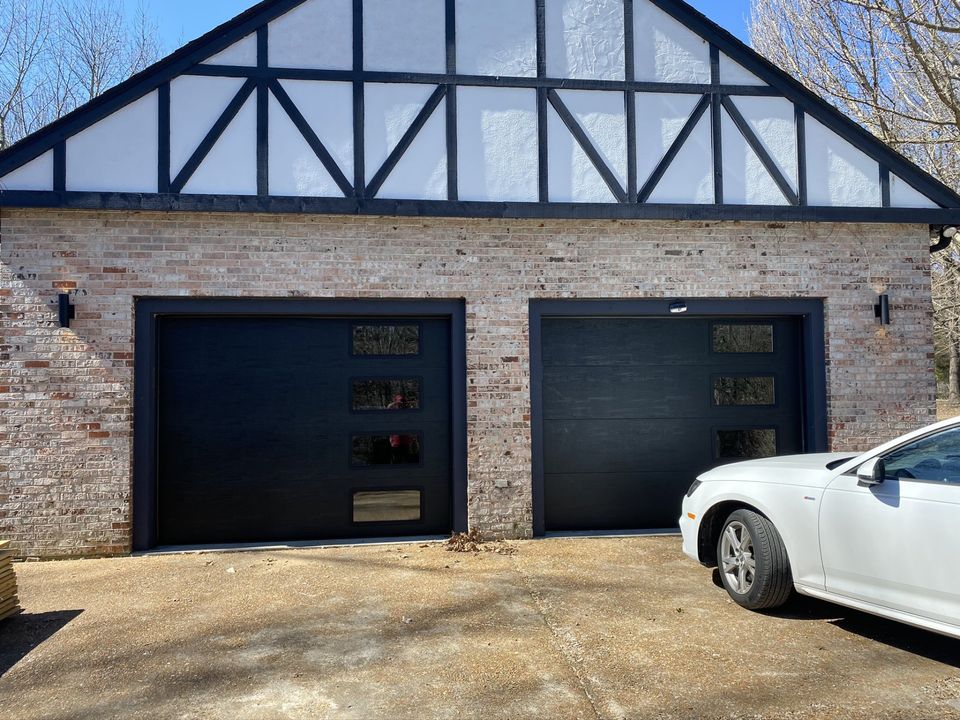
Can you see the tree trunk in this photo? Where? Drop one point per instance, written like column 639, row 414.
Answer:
column 954, row 381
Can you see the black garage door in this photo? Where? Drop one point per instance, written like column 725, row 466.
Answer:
column 635, row 408
column 301, row 428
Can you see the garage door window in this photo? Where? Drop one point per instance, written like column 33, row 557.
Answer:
column 392, row 449
column 742, row 338
column 387, row 506
column 386, row 394
column 746, row 443
column 386, row 339
column 744, row 390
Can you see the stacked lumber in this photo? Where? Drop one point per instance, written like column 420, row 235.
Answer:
column 9, row 604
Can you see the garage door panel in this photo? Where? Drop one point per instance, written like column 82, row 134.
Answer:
column 583, row 392
column 624, row 445
column 256, row 427
column 621, row 341
column 608, row 501
column 634, row 408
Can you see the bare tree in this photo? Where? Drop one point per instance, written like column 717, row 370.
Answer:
column 24, row 43
column 894, row 66
column 58, row 54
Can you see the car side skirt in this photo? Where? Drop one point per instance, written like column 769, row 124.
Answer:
column 884, row 612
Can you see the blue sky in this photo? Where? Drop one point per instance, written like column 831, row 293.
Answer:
column 184, row 20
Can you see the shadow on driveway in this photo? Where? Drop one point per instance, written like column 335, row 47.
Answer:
column 22, row 633
column 924, row 643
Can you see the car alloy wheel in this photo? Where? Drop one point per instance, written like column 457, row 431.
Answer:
column 736, row 557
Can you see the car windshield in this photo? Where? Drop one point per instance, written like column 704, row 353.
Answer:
column 934, row 457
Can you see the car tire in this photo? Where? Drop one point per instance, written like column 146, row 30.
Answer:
column 753, row 562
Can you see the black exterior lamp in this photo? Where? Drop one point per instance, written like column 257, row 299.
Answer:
column 67, row 311
column 882, row 309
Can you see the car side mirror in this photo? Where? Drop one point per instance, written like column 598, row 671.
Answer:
column 872, row 472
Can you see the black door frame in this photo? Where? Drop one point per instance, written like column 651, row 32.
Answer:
column 810, row 311
column 148, row 309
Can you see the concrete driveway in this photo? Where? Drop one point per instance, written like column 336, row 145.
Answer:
column 571, row 628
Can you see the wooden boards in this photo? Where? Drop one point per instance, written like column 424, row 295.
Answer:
column 9, row 603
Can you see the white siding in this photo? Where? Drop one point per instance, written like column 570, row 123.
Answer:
column 745, row 179
column 497, row 144
column 295, row 168
column 838, row 174
column 119, row 153
column 328, row 108
column 408, row 36
column 196, row 103
column 666, row 50
column 421, row 173
column 585, row 39
column 35, row 175
column 497, row 37
column 903, row 195
column 689, row 179
column 389, row 111
column 242, row 53
column 317, row 34
column 231, row 166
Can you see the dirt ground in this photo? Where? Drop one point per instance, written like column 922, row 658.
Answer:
column 561, row 628
column 947, row 410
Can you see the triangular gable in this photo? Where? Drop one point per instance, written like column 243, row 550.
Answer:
column 619, row 108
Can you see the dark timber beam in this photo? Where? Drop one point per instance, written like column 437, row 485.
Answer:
column 760, row 150
column 462, row 209
column 406, row 141
column 206, row 145
column 657, row 175
column 584, row 142
column 297, row 118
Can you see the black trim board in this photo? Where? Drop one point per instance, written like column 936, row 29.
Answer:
column 148, row 309
column 811, row 312
column 444, row 208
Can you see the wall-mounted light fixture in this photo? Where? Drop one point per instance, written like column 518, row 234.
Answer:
column 67, row 311
column 882, row 309
column 677, row 307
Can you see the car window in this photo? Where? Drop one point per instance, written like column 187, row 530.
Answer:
column 935, row 457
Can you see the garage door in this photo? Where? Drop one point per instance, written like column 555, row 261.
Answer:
column 635, row 408
column 301, row 428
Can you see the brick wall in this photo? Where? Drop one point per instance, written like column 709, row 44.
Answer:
column 65, row 395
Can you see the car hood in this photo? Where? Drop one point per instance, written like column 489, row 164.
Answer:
column 810, row 470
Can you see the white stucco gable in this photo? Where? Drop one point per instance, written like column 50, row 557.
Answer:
column 636, row 108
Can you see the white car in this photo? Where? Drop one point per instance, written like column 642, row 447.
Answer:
column 879, row 532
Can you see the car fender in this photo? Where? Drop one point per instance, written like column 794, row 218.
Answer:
column 794, row 512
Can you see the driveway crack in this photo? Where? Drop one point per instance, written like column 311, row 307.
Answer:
column 565, row 641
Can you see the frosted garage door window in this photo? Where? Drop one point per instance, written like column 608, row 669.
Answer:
column 387, row 506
